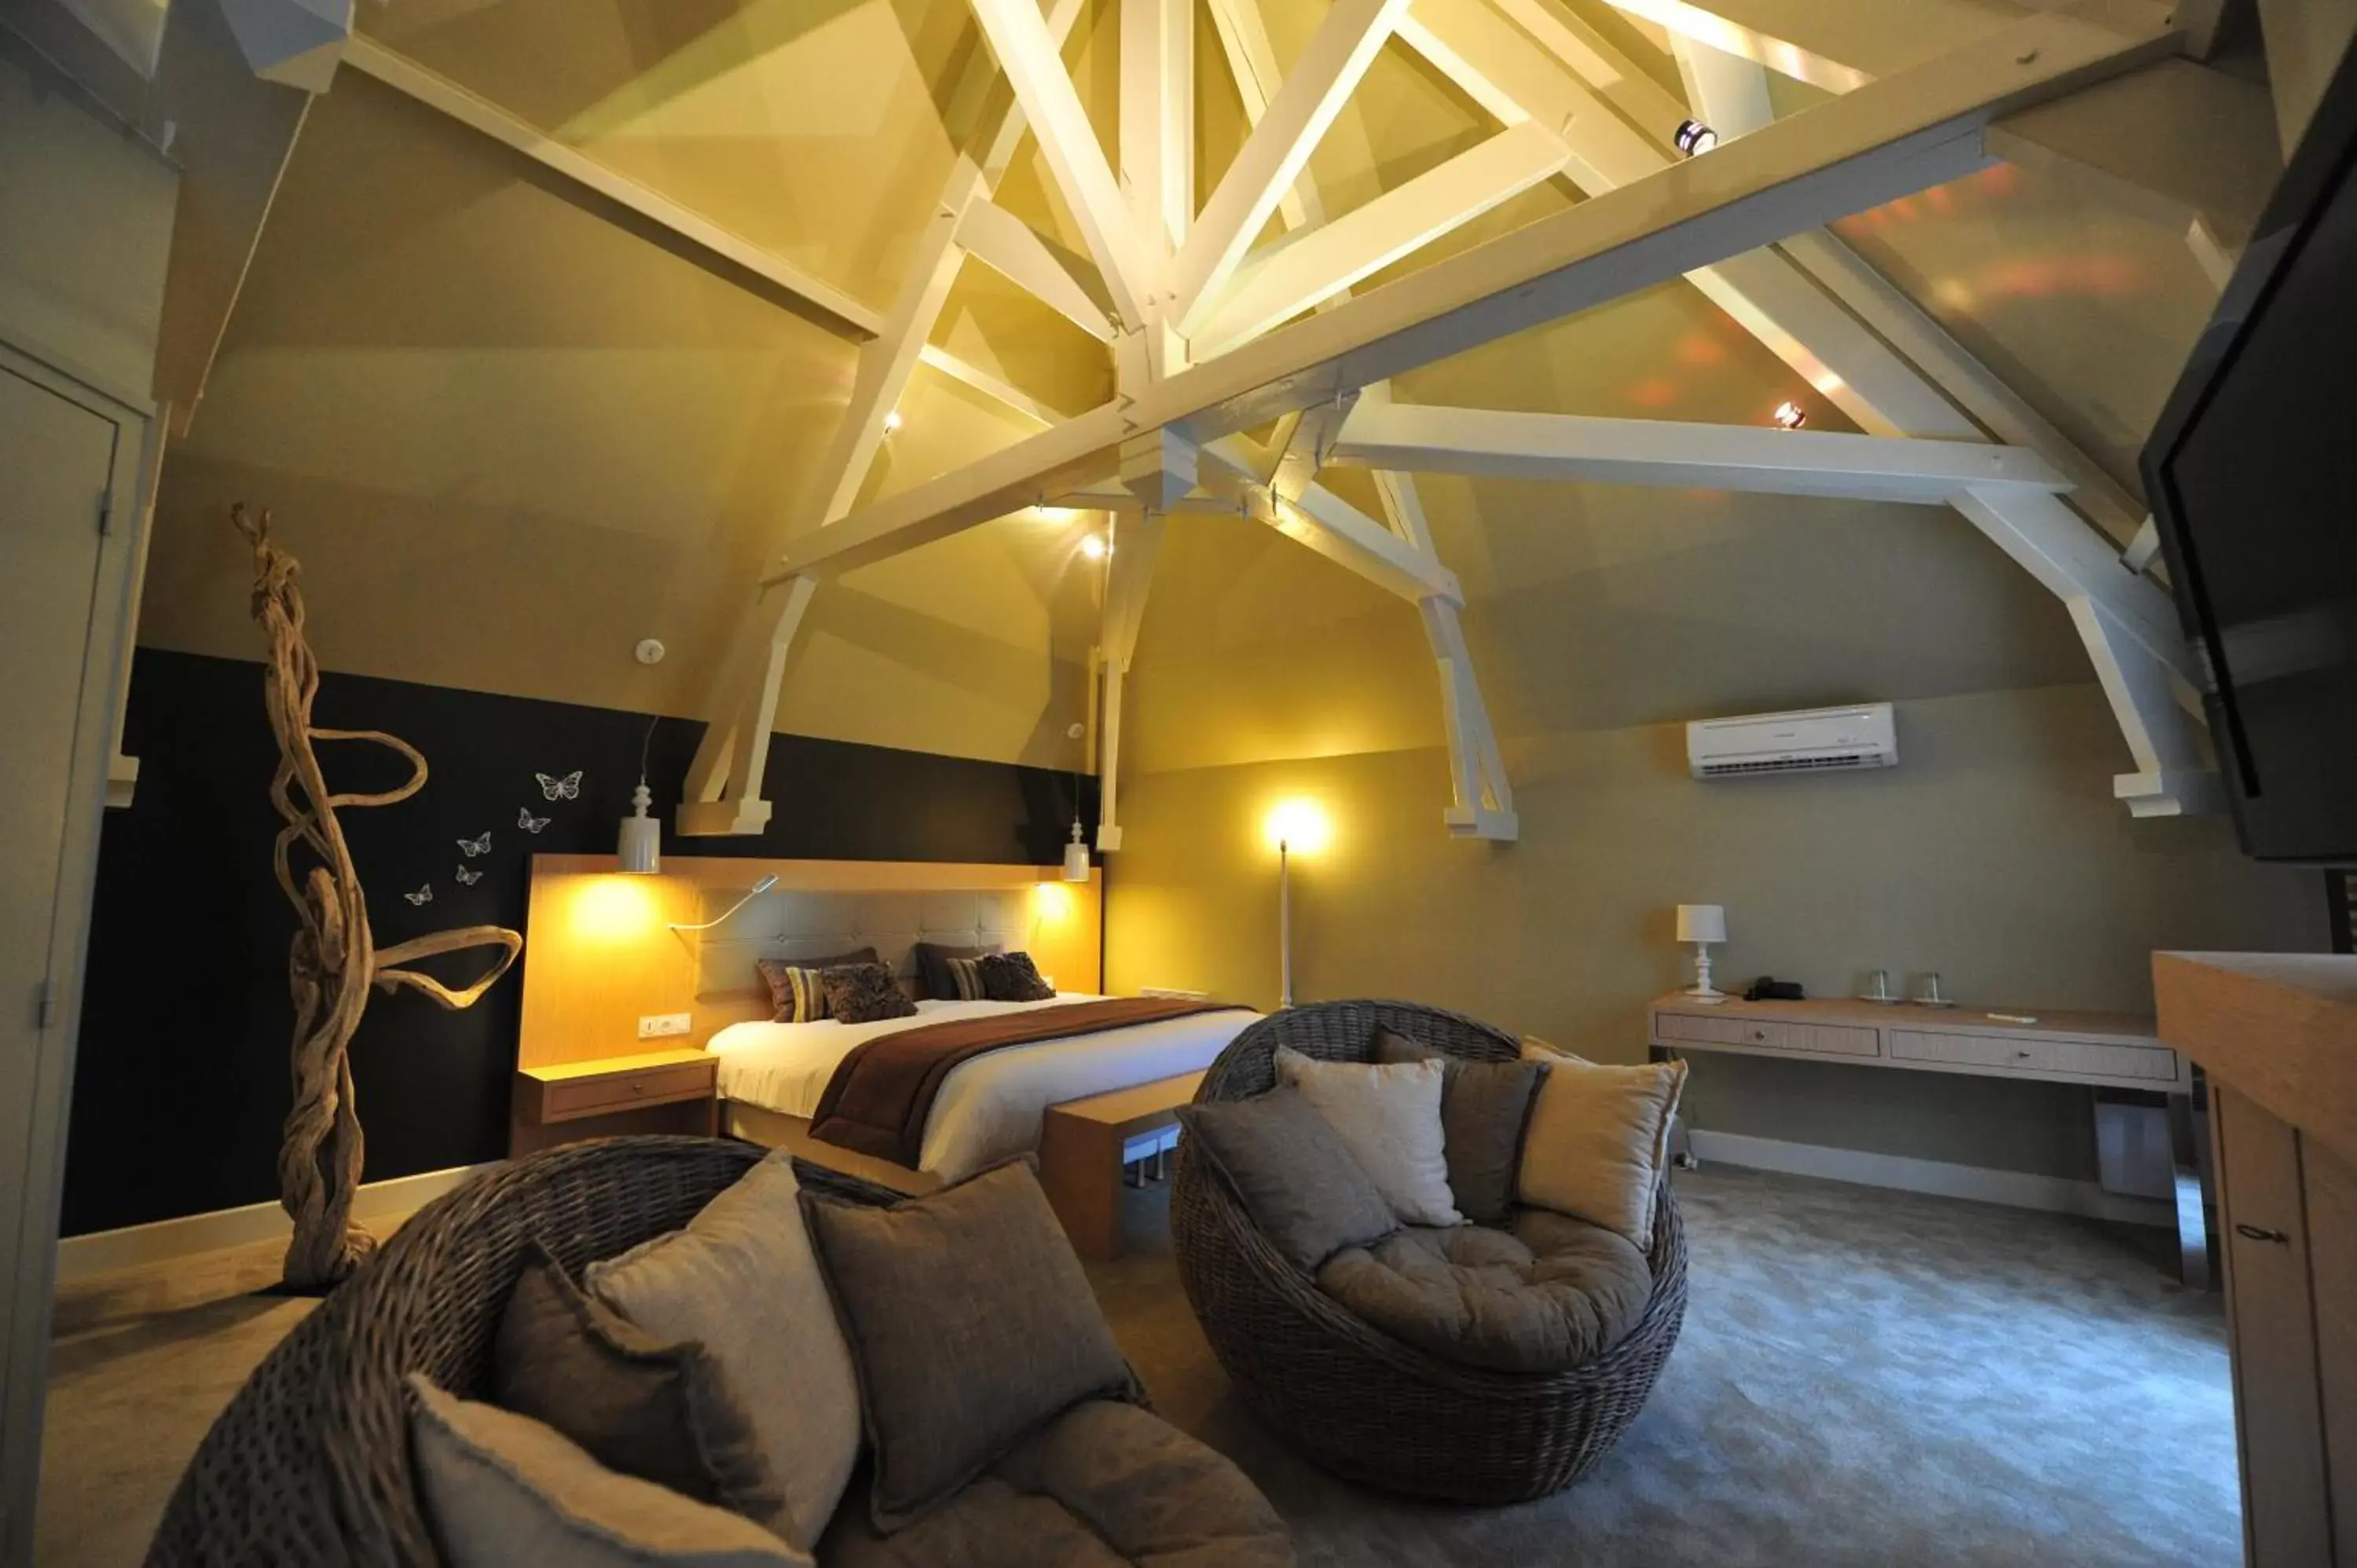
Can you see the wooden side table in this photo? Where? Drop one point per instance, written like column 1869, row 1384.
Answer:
column 658, row 1091
column 1084, row 1145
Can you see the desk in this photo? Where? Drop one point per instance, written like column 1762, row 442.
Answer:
column 2108, row 1050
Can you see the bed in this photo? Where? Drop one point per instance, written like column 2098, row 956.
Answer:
column 772, row 1075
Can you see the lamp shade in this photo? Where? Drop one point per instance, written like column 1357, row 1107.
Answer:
column 1076, row 856
column 1702, row 923
column 640, row 850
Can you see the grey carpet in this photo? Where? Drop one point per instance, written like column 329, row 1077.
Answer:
column 1864, row 1378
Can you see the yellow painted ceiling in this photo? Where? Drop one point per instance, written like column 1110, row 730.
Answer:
column 509, row 435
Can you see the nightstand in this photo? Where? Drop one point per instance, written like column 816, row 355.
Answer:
column 658, row 1091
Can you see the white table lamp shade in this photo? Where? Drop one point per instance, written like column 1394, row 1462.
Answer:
column 1702, row 923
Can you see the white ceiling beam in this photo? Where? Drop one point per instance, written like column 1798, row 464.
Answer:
column 1013, row 250
column 837, row 308
column 1926, row 345
column 1572, row 43
column 723, row 792
column 1320, row 82
column 1158, row 118
column 1324, row 522
column 1838, row 45
column 1243, row 39
column 2173, row 777
column 1135, row 543
column 295, row 43
column 1854, row 370
column 1490, row 444
column 1311, row 266
column 2050, row 541
column 1859, row 151
column 1029, row 54
column 1482, row 802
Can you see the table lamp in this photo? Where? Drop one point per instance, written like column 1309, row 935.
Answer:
column 1703, row 923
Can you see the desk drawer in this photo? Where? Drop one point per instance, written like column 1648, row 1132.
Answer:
column 2050, row 1059
column 1765, row 1034
column 653, row 1086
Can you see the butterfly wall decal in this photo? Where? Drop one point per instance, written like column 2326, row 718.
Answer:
column 468, row 878
column 473, row 847
column 527, row 821
column 566, row 788
column 422, row 895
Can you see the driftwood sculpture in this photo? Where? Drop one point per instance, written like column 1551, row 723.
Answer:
column 334, row 959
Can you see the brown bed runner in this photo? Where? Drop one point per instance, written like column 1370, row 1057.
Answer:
column 882, row 1094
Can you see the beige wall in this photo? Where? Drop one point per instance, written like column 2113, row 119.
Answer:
column 85, row 226
column 1992, row 855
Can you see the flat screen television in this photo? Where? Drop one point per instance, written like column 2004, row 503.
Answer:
column 2252, row 473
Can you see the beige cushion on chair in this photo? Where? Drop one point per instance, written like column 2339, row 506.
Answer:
column 505, row 1491
column 1388, row 1116
column 1598, row 1140
column 741, row 1279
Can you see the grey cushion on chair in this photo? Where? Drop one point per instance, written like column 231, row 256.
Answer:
column 1549, row 1294
column 971, row 1322
column 1103, row 1484
column 661, row 1412
column 1485, row 1112
column 1294, row 1176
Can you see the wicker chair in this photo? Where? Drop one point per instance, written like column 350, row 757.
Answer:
column 309, row 1464
column 1353, row 1399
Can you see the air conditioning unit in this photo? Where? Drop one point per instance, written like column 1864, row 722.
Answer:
column 1817, row 740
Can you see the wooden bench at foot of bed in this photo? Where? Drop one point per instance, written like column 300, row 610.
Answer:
column 1085, row 1144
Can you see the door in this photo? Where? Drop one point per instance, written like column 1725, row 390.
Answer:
column 61, row 639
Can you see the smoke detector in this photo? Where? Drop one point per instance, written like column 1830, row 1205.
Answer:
column 650, row 652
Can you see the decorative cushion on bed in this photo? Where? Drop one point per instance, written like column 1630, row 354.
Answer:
column 663, row 1413
column 1599, row 1140
column 742, row 1280
column 1485, row 1109
column 1548, row 1295
column 796, row 995
column 966, row 980
column 935, row 982
column 1304, row 1189
column 1013, row 977
column 1103, row 1484
column 502, row 1490
column 865, row 994
column 1389, row 1117
column 971, row 1322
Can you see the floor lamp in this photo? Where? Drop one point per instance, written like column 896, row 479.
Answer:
column 1296, row 825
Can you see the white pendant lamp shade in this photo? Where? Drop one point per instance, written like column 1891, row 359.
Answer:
column 640, row 851
column 1702, row 923
column 1076, row 856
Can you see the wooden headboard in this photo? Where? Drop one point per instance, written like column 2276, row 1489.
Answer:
column 600, row 952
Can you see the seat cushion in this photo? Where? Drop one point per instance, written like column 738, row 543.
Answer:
column 1547, row 1293
column 1103, row 1485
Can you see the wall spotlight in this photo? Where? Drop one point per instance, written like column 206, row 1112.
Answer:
column 891, row 422
column 1694, row 138
column 1092, row 546
column 1789, row 415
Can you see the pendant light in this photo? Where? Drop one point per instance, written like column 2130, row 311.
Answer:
column 640, row 849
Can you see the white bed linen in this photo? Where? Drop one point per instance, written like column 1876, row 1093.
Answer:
column 989, row 1108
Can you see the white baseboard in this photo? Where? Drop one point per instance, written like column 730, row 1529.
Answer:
column 103, row 1251
column 2017, row 1189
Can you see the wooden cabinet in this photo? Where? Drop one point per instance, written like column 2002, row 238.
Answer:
column 2278, row 1036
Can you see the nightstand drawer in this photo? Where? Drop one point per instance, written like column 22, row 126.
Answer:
column 620, row 1090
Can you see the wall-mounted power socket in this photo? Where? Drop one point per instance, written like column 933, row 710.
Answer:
column 654, row 1026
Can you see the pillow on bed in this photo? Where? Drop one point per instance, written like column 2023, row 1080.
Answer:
column 966, row 980
column 796, row 996
column 865, row 994
column 1013, row 977
column 936, row 981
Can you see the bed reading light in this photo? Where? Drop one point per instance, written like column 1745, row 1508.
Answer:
column 1694, row 138
column 754, row 892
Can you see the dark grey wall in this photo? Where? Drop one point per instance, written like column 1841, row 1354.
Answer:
column 181, row 1079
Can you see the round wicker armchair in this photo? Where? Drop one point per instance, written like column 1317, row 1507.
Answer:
column 309, row 1464
column 1353, row 1399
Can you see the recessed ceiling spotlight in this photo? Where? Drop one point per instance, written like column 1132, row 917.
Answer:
column 1694, row 138
column 1092, row 546
column 1789, row 415
column 891, row 422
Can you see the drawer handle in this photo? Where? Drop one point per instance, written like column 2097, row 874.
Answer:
column 638, row 1088
column 2257, row 1233
column 1760, row 1033
column 2021, row 1056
